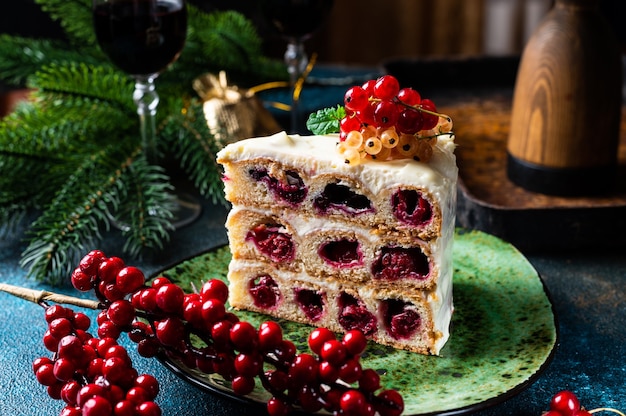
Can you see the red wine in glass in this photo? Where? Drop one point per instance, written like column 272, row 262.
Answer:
column 295, row 21
column 142, row 38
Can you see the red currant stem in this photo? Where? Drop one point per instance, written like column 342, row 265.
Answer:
column 197, row 352
column 281, row 395
column 423, row 110
column 415, row 107
column 206, row 338
column 279, row 365
column 81, row 378
column 42, row 296
column 432, row 136
column 606, row 409
column 432, row 113
column 152, row 317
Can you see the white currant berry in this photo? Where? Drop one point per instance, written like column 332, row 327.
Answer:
column 354, row 139
column 389, row 138
column 424, row 151
column 407, row 145
column 351, row 156
column 373, row 145
column 369, row 131
column 445, row 124
column 383, row 154
column 427, row 134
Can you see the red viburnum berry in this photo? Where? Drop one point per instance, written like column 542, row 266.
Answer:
column 565, row 402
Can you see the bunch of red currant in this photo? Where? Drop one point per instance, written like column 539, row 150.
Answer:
column 197, row 330
column 93, row 376
column 565, row 403
column 385, row 122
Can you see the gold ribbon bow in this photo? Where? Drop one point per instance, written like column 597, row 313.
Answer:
column 232, row 113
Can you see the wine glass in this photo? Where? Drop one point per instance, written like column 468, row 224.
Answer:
column 142, row 38
column 295, row 21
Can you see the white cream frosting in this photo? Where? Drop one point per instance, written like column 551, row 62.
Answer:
column 318, row 155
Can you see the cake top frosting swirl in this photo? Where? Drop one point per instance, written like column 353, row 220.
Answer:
column 318, row 153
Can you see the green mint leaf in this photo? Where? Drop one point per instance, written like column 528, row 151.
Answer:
column 326, row 120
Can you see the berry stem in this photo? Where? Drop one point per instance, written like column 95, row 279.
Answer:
column 432, row 113
column 424, row 110
column 42, row 296
column 432, row 136
column 415, row 107
column 606, row 409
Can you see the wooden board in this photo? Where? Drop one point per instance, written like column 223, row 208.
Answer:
column 489, row 201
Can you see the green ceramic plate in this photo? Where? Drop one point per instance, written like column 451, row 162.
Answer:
column 503, row 333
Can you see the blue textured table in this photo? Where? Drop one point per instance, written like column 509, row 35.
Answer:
column 587, row 288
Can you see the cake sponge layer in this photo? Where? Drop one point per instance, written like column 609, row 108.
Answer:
column 332, row 250
column 415, row 321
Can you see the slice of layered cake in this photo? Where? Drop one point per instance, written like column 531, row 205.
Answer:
column 326, row 231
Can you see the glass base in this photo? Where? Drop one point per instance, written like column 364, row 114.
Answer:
column 185, row 210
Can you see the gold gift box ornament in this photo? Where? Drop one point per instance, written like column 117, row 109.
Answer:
column 233, row 113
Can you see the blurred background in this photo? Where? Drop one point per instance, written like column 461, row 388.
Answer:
column 370, row 32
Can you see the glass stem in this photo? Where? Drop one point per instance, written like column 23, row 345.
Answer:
column 296, row 60
column 147, row 100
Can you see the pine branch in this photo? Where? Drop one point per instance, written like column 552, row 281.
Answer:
column 74, row 17
column 187, row 133
column 21, row 57
column 80, row 132
column 224, row 40
column 61, row 123
column 146, row 209
column 30, row 149
column 72, row 221
column 226, row 36
column 39, row 139
column 11, row 217
column 102, row 82
column 19, row 193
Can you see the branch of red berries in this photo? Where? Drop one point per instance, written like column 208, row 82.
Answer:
column 94, row 375
column 566, row 403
